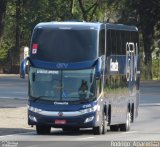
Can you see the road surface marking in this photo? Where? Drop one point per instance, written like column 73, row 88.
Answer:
column 150, row 104
column 85, row 138
column 129, row 132
column 19, row 92
column 33, row 145
column 153, row 94
column 4, row 97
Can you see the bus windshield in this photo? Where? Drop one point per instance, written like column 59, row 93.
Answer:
column 60, row 45
column 62, row 85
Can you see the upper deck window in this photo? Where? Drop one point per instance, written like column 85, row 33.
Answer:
column 64, row 45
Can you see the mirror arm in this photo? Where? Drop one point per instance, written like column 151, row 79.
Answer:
column 23, row 67
column 98, row 68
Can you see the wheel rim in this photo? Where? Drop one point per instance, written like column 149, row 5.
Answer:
column 128, row 120
column 105, row 125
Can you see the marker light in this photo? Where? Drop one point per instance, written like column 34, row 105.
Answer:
column 89, row 110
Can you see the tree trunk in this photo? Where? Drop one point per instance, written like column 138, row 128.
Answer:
column 91, row 9
column 84, row 13
column 147, row 33
column 18, row 13
column 3, row 4
column 148, row 14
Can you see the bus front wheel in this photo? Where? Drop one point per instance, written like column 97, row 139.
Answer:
column 102, row 128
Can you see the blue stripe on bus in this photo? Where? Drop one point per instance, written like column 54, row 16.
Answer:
column 51, row 65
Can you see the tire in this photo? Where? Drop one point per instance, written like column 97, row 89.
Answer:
column 114, row 127
column 132, row 114
column 105, row 123
column 43, row 130
column 100, row 129
column 126, row 126
column 97, row 130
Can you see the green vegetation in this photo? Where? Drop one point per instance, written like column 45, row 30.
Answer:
column 18, row 18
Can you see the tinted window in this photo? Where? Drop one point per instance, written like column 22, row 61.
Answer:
column 60, row 45
column 102, row 42
column 111, row 42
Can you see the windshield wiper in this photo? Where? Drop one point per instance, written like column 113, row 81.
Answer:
column 84, row 101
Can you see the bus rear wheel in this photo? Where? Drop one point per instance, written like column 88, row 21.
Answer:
column 126, row 126
column 43, row 130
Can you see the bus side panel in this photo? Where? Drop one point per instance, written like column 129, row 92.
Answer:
column 120, row 75
column 116, row 86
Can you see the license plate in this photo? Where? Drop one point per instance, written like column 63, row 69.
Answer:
column 62, row 122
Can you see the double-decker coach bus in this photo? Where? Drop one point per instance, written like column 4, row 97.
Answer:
column 83, row 75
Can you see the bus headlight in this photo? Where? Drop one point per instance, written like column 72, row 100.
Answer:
column 89, row 110
column 33, row 109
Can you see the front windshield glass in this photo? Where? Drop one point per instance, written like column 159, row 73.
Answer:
column 66, row 85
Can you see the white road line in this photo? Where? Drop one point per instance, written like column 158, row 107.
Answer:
column 19, row 92
column 150, row 104
column 13, row 92
column 4, row 97
column 153, row 94
column 130, row 132
column 33, row 146
column 85, row 138
column 27, row 133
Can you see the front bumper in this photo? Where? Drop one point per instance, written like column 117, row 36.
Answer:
column 87, row 120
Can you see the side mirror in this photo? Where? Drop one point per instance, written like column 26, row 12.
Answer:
column 98, row 68
column 23, row 68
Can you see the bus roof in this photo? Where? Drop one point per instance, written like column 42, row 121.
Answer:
column 121, row 27
column 85, row 25
column 69, row 24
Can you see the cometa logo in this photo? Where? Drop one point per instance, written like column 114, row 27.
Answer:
column 61, row 103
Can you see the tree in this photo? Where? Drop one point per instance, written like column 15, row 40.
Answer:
column 144, row 14
column 3, row 4
column 88, row 8
column 21, row 16
column 149, row 16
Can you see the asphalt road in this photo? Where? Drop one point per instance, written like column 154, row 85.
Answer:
column 13, row 87
column 145, row 128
